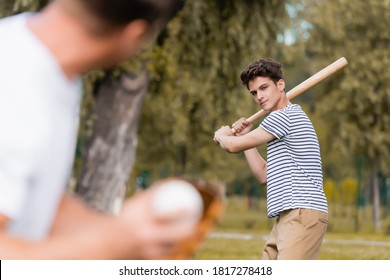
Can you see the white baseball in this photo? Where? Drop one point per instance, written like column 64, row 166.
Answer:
column 176, row 195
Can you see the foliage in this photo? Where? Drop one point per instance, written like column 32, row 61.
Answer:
column 195, row 70
column 331, row 192
column 9, row 7
column 196, row 86
column 344, row 194
column 355, row 103
column 349, row 191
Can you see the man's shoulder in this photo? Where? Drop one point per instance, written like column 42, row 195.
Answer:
column 13, row 21
column 14, row 36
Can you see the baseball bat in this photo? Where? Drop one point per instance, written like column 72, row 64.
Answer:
column 305, row 85
column 308, row 83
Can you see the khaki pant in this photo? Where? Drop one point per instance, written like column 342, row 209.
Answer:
column 296, row 235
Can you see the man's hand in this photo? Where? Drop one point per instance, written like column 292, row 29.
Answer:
column 3, row 222
column 151, row 235
column 82, row 233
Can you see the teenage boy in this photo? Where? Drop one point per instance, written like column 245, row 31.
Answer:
column 293, row 169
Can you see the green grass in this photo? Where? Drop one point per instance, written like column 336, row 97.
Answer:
column 335, row 247
column 240, row 235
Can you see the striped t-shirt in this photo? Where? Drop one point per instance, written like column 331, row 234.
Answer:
column 294, row 169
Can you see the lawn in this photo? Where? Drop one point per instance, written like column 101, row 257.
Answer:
column 240, row 235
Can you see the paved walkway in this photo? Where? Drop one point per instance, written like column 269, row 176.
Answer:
column 244, row 236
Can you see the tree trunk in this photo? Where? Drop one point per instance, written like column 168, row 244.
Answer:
column 111, row 149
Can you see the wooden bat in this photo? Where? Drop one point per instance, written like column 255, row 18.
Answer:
column 305, row 85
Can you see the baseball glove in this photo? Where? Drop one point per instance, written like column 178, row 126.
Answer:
column 212, row 194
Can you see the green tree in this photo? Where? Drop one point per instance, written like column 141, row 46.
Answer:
column 355, row 102
column 196, row 86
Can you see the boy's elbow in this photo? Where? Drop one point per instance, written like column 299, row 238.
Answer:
column 263, row 181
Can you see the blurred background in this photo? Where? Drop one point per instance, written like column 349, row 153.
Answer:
column 193, row 88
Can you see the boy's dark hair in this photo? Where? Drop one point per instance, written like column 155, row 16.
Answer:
column 123, row 11
column 117, row 13
column 262, row 68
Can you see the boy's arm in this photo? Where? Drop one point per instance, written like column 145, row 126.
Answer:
column 246, row 140
column 236, row 144
column 257, row 165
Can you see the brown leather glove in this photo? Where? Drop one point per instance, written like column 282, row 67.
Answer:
column 213, row 201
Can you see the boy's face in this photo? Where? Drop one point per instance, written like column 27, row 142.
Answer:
column 266, row 94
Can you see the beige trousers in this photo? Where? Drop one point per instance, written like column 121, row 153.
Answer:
column 296, row 235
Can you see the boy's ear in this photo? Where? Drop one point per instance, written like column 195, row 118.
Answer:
column 281, row 85
column 136, row 31
column 133, row 37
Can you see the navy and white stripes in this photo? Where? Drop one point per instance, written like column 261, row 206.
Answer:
column 294, row 169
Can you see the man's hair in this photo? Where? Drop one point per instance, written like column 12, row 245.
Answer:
column 111, row 14
column 262, row 68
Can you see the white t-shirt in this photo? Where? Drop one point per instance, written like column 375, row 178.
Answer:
column 294, row 169
column 39, row 108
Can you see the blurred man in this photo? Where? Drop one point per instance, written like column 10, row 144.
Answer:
column 42, row 58
column 293, row 170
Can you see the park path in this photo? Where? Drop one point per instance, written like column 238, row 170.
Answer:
column 243, row 236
